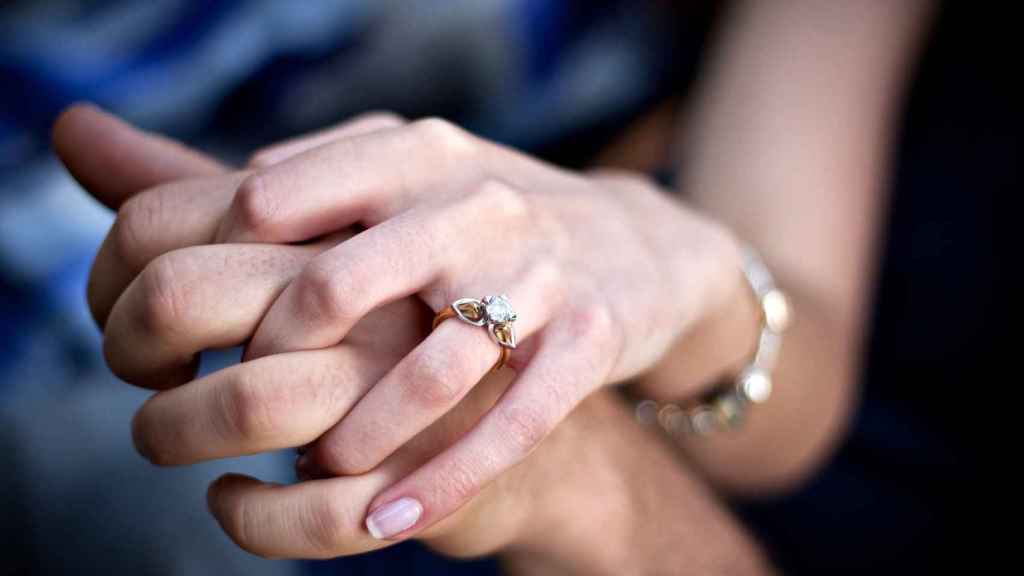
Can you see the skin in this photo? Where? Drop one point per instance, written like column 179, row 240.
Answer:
column 415, row 242
column 813, row 135
column 657, row 299
column 518, row 515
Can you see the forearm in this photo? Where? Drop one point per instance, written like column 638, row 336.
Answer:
column 787, row 145
column 782, row 441
column 616, row 500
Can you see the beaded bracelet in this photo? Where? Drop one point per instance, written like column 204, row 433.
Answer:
column 725, row 408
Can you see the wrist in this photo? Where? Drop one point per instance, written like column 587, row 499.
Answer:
column 688, row 286
column 718, row 345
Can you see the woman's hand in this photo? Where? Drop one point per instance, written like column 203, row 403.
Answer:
column 154, row 260
column 604, row 271
column 541, row 508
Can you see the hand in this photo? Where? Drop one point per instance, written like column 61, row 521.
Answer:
column 161, row 228
column 614, row 268
column 540, row 508
column 604, row 270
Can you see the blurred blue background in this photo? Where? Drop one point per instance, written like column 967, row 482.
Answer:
column 560, row 78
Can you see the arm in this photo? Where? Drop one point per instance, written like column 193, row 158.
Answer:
column 787, row 147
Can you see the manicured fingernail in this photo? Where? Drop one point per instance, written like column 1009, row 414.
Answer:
column 390, row 519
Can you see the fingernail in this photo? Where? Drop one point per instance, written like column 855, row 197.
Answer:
column 393, row 518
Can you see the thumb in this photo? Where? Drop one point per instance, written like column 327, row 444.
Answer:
column 113, row 160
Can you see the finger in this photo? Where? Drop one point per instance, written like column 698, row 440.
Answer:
column 432, row 379
column 280, row 401
column 317, row 519
column 572, row 360
column 114, row 160
column 415, row 251
column 360, row 179
column 324, row 518
column 363, row 124
column 170, row 216
column 191, row 300
column 175, row 215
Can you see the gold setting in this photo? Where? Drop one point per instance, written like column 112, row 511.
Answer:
column 493, row 312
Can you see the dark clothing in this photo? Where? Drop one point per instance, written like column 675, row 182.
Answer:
column 902, row 495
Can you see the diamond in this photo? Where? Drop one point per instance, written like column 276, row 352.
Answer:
column 499, row 310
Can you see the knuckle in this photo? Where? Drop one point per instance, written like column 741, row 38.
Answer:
column 525, row 426
column 496, row 197
column 248, row 411
column 136, row 220
column 322, row 290
column 443, row 136
column 254, row 208
column 546, row 275
column 594, row 324
column 165, row 295
column 556, row 235
column 436, row 380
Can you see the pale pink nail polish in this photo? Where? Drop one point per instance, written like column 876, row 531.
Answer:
column 395, row 517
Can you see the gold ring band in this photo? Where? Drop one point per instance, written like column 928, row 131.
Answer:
column 448, row 312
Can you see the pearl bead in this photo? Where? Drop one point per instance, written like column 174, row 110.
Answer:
column 755, row 385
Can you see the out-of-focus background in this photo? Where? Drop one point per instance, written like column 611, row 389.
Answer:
column 561, row 78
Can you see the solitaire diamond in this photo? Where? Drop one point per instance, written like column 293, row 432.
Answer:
column 499, row 310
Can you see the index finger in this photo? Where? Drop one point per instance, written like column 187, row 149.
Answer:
column 113, row 160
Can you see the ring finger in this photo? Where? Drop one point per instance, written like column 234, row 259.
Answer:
column 432, row 379
column 423, row 250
